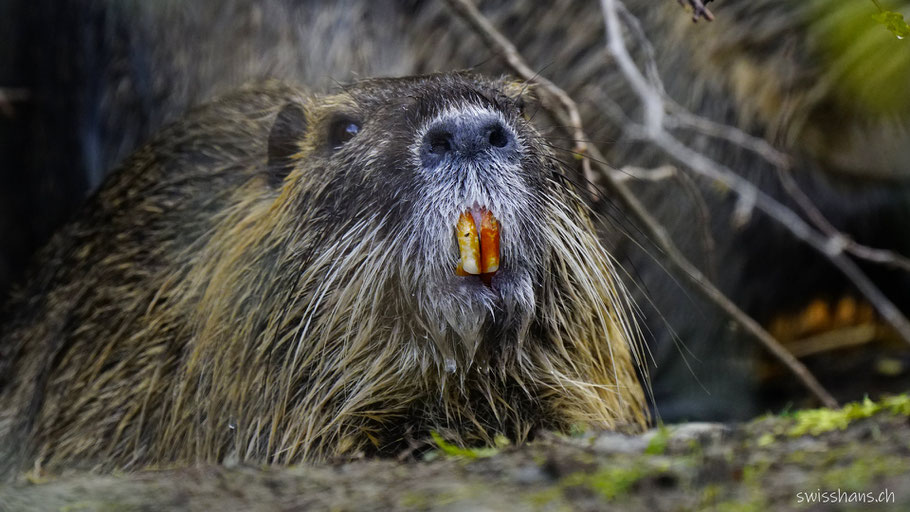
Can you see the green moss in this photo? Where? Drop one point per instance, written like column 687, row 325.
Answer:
column 608, row 482
column 797, row 457
column 77, row 507
column 861, row 473
column 414, row 500
column 713, row 494
column 546, row 497
column 898, row 404
column 99, row 507
column 452, row 450
column 710, row 494
column 426, row 500
column 741, row 506
column 819, row 421
column 765, row 439
column 752, row 496
column 658, row 443
column 753, row 473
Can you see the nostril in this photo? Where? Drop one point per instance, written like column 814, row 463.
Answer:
column 498, row 137
column 467, row 135
column 440, row 142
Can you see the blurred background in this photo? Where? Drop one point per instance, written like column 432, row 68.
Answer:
column 84, row 82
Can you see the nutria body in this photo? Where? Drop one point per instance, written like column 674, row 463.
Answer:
column 271, row 279
column 819, row 80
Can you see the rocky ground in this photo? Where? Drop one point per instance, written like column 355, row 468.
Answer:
column 855, row 455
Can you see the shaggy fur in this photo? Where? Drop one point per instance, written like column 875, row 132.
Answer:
column 228, row 296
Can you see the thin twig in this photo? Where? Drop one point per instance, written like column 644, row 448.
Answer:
column 676, row 261
column 704, row 222
column 880, row 256
column 631, row 172
column 683, row 118
column 494, row 39
column 680, row 117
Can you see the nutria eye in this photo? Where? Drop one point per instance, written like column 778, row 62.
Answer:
column 342, row 130
column 520, row 105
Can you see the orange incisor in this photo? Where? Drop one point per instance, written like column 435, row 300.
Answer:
column 479, row 254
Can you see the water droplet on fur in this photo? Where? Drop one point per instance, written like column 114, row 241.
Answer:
column 450, row 365
column 232, row 425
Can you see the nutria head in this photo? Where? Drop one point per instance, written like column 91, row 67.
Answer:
column 409, row 157
column 403, row 257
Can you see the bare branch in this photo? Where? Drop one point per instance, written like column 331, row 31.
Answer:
column 832, row 247
column 494, row 39
column 684, row 118
column 674, row 258
column 704, row 223
column 651, row 98
column 881, row 256
column 631, row 172
column 680, row 117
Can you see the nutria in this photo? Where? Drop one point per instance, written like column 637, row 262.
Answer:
column 276, row 278
column 820, row 80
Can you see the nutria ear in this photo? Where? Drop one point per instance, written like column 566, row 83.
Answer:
column 284, row 142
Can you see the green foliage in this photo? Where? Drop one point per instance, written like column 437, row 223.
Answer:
column 867, row 66
column 894, row 22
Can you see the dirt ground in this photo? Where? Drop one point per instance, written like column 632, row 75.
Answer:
column 845, row 459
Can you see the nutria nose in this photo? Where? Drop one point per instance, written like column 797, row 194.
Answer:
column 468, row 136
